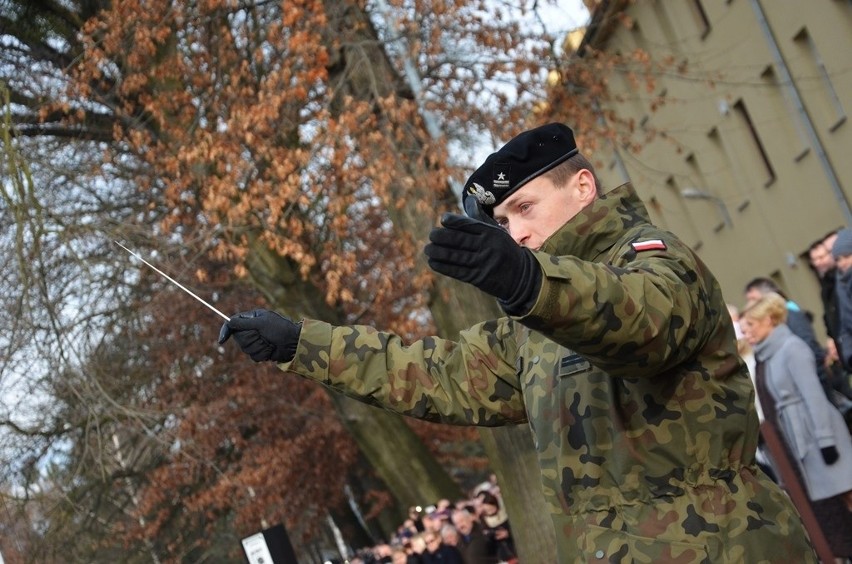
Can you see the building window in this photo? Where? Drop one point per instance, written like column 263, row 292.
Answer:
column 638, row 37
column 721, row 167
column 616, row 166
column 665, row 23
column 698, row 189
column 752, row 149
column 627, row 92
column 787, row 118
column 816, row 85
column 657, row 209
column 701, row 20
column 682, row 222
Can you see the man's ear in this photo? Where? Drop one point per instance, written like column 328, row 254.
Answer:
column 586, row 187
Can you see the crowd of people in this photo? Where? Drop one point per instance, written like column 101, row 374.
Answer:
column 469, row 531
column 803, row 389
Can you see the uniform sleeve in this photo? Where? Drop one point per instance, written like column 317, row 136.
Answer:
column 472, row 381
column 643, row 314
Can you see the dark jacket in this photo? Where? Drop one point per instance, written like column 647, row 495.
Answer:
column 446, row 554
column 801, row 326
column 844, row 305
column 477, row 547
column 831, row 313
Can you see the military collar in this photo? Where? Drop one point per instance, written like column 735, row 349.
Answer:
column 599, row 225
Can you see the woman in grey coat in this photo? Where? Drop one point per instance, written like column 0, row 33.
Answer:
column 815, row 435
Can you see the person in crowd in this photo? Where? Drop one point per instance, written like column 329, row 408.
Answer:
column 432, row 522
column 798, row 321
column 399, row 556
column 764, row 459
column 407, row 530
column 415, row 548
column 615, row 347
column 495, row 523
column 824, row 266
column 814, row 434
column 383, row 553
column 842, row 253
column 801, row 325
column 414, row 514
column 475, row 546
column 442, row 512
column 489, row 485
column 743, row 348
column 840, row 245
column 449, row 534
column 437, row 552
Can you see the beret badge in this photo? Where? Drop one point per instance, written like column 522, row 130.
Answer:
column 525, row 157
column 483, row 196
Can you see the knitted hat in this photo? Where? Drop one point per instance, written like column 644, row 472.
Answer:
column 843, row 244
column 526, row 156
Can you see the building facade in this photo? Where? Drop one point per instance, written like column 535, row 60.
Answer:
column 754, row 162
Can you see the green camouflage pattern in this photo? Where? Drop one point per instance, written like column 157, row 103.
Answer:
column 627, row 372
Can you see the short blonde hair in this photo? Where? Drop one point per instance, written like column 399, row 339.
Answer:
column 769, row 305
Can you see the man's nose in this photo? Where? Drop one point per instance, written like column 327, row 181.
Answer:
column 520, row 235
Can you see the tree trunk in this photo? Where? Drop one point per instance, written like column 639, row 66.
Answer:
column 397, row 454
column 518, row 476
column 510, row 449
column 364, row 71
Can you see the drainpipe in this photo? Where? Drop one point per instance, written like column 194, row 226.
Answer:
column 786, row 79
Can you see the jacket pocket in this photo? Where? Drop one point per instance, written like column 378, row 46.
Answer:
column 600, row 544
column 793, row 418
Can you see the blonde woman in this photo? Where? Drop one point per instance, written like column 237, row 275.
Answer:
column 815, row 435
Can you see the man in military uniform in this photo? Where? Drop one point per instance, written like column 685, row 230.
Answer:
column 616, row 348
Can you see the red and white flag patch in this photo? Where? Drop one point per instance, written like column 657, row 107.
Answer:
column 649, row 245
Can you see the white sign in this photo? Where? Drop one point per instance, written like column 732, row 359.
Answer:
column 256, row 549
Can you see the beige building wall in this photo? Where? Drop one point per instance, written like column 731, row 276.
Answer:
column 753, row 167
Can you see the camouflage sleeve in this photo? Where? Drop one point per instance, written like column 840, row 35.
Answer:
column 641, row 315
column 470, row 382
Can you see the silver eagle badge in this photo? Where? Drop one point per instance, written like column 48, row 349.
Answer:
column 483, row 196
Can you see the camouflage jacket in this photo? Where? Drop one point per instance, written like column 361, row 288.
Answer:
column 627, row 371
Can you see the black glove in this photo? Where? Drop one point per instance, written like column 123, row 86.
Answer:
column 486, row 256
column 263, row 335
column 829, row 454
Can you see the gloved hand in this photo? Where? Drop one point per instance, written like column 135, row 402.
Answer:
column 486, row 256
column 829, row 454
column 263, row 335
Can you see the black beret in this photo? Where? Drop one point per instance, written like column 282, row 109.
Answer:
column 526, row 156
